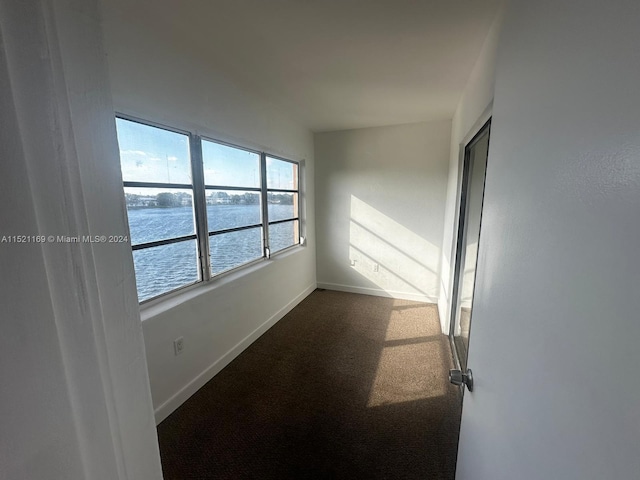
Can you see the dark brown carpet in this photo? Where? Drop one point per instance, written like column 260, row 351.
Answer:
column 345, row 386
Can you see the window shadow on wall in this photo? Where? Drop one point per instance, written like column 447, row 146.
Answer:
column 391, row 256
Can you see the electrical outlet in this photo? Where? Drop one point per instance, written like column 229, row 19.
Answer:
column 376, row 267
column 178, row 345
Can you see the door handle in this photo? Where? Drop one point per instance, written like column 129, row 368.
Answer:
column 457, row 377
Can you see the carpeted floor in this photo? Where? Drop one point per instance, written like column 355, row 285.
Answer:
column 345, row 386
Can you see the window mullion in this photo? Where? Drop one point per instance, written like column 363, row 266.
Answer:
column 200, row 206
column 300, row 232
column 265, row 206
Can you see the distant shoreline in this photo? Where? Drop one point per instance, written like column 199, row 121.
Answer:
column 145, row 207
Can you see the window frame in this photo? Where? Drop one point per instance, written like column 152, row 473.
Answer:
column 199, row 205
column 211, row 233
column 283, row 190
column 168, row 186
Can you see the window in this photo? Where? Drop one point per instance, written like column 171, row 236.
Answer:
column 234, row 212
column 282, row 198
column 158, row 186
column 198, row 208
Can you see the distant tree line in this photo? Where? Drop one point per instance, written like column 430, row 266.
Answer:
column 281, row 198
column 248, row 198
column 162, row 199
column 182, row 199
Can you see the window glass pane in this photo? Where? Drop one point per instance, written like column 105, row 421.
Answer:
column 282, row 206
column 283, row 235
column 229, row 166
column 231, row 209
column 165, row 268
column 230, row 250
column 281, row 174
column 151, row 154
column 158, row 214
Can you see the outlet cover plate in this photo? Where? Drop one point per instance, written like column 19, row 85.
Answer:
column 178, row 345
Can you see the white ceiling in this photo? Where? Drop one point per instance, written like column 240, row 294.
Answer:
column 335, row 64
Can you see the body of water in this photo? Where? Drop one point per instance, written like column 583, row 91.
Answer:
column 167, row 267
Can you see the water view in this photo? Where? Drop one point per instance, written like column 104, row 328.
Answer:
column 157, row 175
column 167, row 267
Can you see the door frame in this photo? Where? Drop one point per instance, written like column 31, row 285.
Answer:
column 458, row 234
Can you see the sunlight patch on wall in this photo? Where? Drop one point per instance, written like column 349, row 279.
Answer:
column 390, row 255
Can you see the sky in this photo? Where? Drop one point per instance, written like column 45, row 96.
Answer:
column 151, row 154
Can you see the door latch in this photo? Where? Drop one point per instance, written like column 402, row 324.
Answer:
column 458, row 378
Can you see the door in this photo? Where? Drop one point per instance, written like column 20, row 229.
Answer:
column 555, row 344
column 468, row 237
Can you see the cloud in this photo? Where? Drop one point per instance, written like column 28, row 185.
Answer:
column 134, row 152
column 135, row 155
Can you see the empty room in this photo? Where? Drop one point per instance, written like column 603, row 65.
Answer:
column 319, row 239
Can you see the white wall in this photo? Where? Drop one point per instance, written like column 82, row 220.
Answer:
column 158, row 78
column 75, row 395
column 380, row 200
column 473, row 110
column 554, row 343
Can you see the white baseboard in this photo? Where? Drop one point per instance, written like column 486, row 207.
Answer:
column 168, row 407
column 378, row 292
